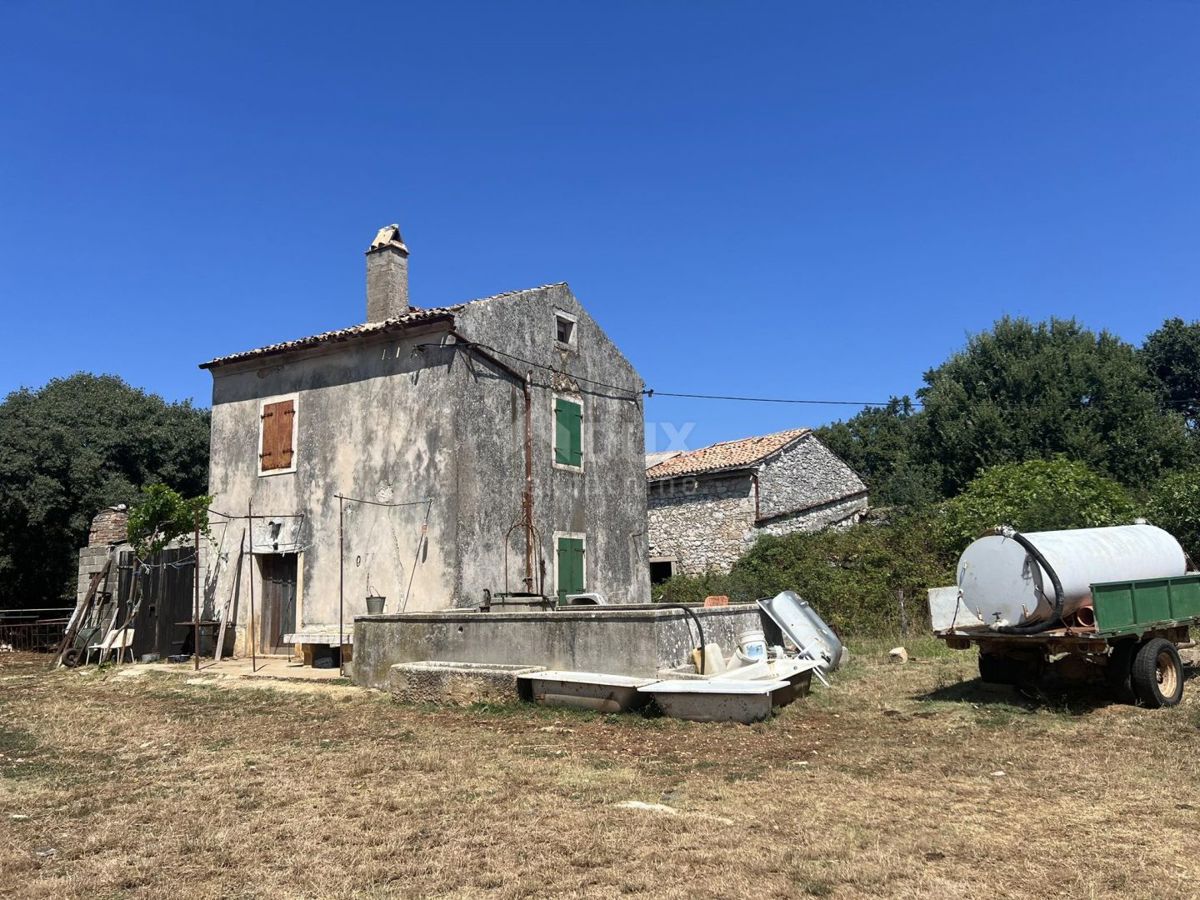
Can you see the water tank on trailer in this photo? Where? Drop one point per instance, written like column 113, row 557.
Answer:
column 1003, row 584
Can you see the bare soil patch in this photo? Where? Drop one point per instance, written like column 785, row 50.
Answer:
column 902, row 781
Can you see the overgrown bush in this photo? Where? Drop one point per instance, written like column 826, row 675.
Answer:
column 1038, row 495
column 853, row 578
column 1175, row 505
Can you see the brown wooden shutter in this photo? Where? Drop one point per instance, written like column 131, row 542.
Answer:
column 283, row 431
column 277, row 448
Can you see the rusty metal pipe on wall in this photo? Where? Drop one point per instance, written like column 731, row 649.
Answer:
column 526, row 382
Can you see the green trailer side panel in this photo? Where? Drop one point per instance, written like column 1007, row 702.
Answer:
column 1122, row 605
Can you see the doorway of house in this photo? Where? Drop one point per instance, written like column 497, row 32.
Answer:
column 279, row 601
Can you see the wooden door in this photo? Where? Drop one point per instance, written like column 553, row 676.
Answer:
column 279, row 601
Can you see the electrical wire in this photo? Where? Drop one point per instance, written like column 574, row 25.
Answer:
column 653, row 393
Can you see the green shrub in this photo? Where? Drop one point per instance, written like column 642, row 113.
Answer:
column 851, row 577
column 1037, row 495
column 1175, row 505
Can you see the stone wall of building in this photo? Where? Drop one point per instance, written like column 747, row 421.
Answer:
column 835, row 514
column 804, row 476
column 701, row 524
column 109, row 526
column 706, row 524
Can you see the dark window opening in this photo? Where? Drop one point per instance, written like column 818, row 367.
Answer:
column 661, row 570
column 564, row 330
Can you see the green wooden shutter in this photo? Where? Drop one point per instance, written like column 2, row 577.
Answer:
column 570, row 566
column 568, row 432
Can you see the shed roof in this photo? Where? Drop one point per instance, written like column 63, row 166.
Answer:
column 725, row 456
column 410, row 319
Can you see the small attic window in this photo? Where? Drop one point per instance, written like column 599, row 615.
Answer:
column 564, row 329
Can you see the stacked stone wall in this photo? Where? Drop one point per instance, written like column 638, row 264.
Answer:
column 702, row 524
column 805, row 476
column 705, row 524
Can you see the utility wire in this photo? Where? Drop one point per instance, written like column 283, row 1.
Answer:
column 654, row 393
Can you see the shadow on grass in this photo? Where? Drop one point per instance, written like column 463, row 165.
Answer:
column 1050, row 696
column 1052, row 693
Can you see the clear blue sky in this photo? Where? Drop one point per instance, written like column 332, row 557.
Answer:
column 798, row 199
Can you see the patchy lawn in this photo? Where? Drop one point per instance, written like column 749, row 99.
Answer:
column 902, row 780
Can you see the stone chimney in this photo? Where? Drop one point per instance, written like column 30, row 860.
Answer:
column 387, row 275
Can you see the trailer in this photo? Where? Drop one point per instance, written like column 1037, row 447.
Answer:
column 1113, row 603
column 1128, row 636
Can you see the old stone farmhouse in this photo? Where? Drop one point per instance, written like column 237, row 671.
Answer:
column 707, row 507
column 487, row 446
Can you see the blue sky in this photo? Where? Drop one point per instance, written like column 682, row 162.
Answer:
column 815, row 200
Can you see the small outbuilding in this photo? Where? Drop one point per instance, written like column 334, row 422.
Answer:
column 707, row 507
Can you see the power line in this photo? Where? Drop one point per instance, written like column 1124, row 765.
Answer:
column 653, row 393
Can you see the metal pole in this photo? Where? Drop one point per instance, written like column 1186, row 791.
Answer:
column 341, row 584
column 196, row 603
column 529, row 581
column 250, row 533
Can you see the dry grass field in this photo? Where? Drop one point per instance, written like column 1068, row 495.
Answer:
column 900, row 781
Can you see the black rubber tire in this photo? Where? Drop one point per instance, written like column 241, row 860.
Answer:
column 71, row 657
column 1157, row 674
column 997, row 669
column 1119, row 670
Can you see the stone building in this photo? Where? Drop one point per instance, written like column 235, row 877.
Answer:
column 489, row 445
column 108, row 530
column 707, row 507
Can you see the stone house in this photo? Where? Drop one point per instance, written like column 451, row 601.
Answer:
column 428, row 455
column 707, row 507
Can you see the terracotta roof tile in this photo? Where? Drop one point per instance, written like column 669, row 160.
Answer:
column 729, row 455
column 398, row 323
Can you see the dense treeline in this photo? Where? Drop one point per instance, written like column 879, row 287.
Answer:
column 1038, row 425
column 71, row 448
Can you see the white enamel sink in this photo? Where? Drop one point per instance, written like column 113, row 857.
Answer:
column 716, row 699
column 587, row 690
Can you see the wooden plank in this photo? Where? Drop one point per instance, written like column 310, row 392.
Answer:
column 277, row 434
column 81, row 610
column 229, row 601
column 283, row 432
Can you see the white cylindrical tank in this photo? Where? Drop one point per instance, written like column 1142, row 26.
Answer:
column 1003, row 584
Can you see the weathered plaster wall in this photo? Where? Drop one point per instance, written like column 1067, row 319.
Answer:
column 375, row 421
column 704, row 524
column 606, row 501
column 805, row 475
column 398, row 420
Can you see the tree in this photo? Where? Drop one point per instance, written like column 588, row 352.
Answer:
column 162, row 515
column 1172, row 357
column 1037, row 495
column 1174, row 505
column 1031, row 391
column 71, row 448
column 884, row 446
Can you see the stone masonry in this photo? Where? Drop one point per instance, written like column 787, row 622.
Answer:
column 706, row 508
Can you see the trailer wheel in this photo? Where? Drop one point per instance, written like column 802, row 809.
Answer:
column 1157, row 674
